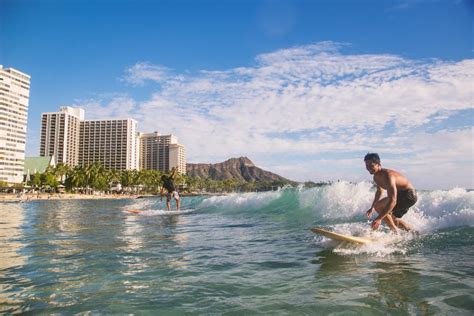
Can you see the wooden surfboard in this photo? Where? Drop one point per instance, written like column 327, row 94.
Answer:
column 341, row 237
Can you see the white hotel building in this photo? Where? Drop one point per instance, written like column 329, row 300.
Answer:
column 14, row 97
column 161, row 152
column 60, row 135
column 70, row 139
column 113, row 143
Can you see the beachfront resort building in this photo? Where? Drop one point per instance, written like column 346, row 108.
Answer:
column 177, row 157
column 113, row 143
column 60, row 135
column 14, row 98
column 70, row 139
column 161, row 152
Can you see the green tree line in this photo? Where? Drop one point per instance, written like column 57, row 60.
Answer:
column 96, row 178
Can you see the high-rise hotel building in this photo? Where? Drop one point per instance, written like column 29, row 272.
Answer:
column 177, row 157
column 60, row 135
column 14, row 97
column 113, row 143
column 71, row 140
column 161, row 152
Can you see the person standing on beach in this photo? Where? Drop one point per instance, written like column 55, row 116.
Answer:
column 401, row 195
column 169, row 186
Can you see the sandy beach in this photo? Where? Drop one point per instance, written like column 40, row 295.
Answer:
column 4, row 197
column 9, row 197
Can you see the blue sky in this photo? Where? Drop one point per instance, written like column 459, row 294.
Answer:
column 303, row 88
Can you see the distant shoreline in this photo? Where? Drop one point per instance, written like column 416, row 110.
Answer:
column 9, row 197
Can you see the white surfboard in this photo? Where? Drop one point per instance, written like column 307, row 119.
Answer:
column 341, row 237
column 151, row 212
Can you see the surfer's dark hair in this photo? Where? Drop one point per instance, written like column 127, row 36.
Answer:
column 374, row 157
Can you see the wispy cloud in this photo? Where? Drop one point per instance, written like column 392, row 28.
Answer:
column 309, row 100
column 108, row 106
column 143, row 71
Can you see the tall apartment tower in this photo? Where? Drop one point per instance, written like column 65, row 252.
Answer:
column 14, row 97
column 113, row 143
column 161, row 152
column 60, row 135
column 178, row 157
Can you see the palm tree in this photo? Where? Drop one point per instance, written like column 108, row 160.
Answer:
column 129, row 178
column 35, row 180
column 49, row 179
column 156, row 180
column 60, row 171
column 250, row 186
column 97, row 177
column 76, row 178
column 113, row 177
column 150, row 179
column 228, row 184
column 210, row 184
column 192, row 182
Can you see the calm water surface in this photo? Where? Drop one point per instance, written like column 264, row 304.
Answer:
column 241, row 254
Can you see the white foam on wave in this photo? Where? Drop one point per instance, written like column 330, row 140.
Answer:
column 140, row 204
column 339, row 200
column 252, row 200
column 386, row 242
column 442, row 209
column 377, row 249
column 434, row 210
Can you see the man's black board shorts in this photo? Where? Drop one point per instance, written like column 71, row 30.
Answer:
column 405, row 200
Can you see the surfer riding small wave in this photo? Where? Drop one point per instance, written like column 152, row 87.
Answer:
column 400, row 197
column 170, row 188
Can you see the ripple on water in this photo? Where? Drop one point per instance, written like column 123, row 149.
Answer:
column 88, row 256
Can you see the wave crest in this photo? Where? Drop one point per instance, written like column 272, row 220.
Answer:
column 344, row 202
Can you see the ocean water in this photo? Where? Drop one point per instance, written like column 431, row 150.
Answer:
column 241, row 254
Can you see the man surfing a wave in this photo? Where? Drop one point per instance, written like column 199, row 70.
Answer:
column 401, row 195
column 169, row 186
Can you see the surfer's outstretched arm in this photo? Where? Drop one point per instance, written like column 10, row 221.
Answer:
column 173, row 172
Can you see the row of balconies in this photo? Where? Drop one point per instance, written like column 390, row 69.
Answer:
column 94, row 156
column 101, row 126
column 107, row 148
column 99, row 137
column 93, row 125
column 19, row 78
column 17, row 132
column 7, row 109
column 112, row 134
column 108, row 137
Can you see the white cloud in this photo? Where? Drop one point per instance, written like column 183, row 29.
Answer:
column 140, row 72
column 119, row 106
column 311, row 101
